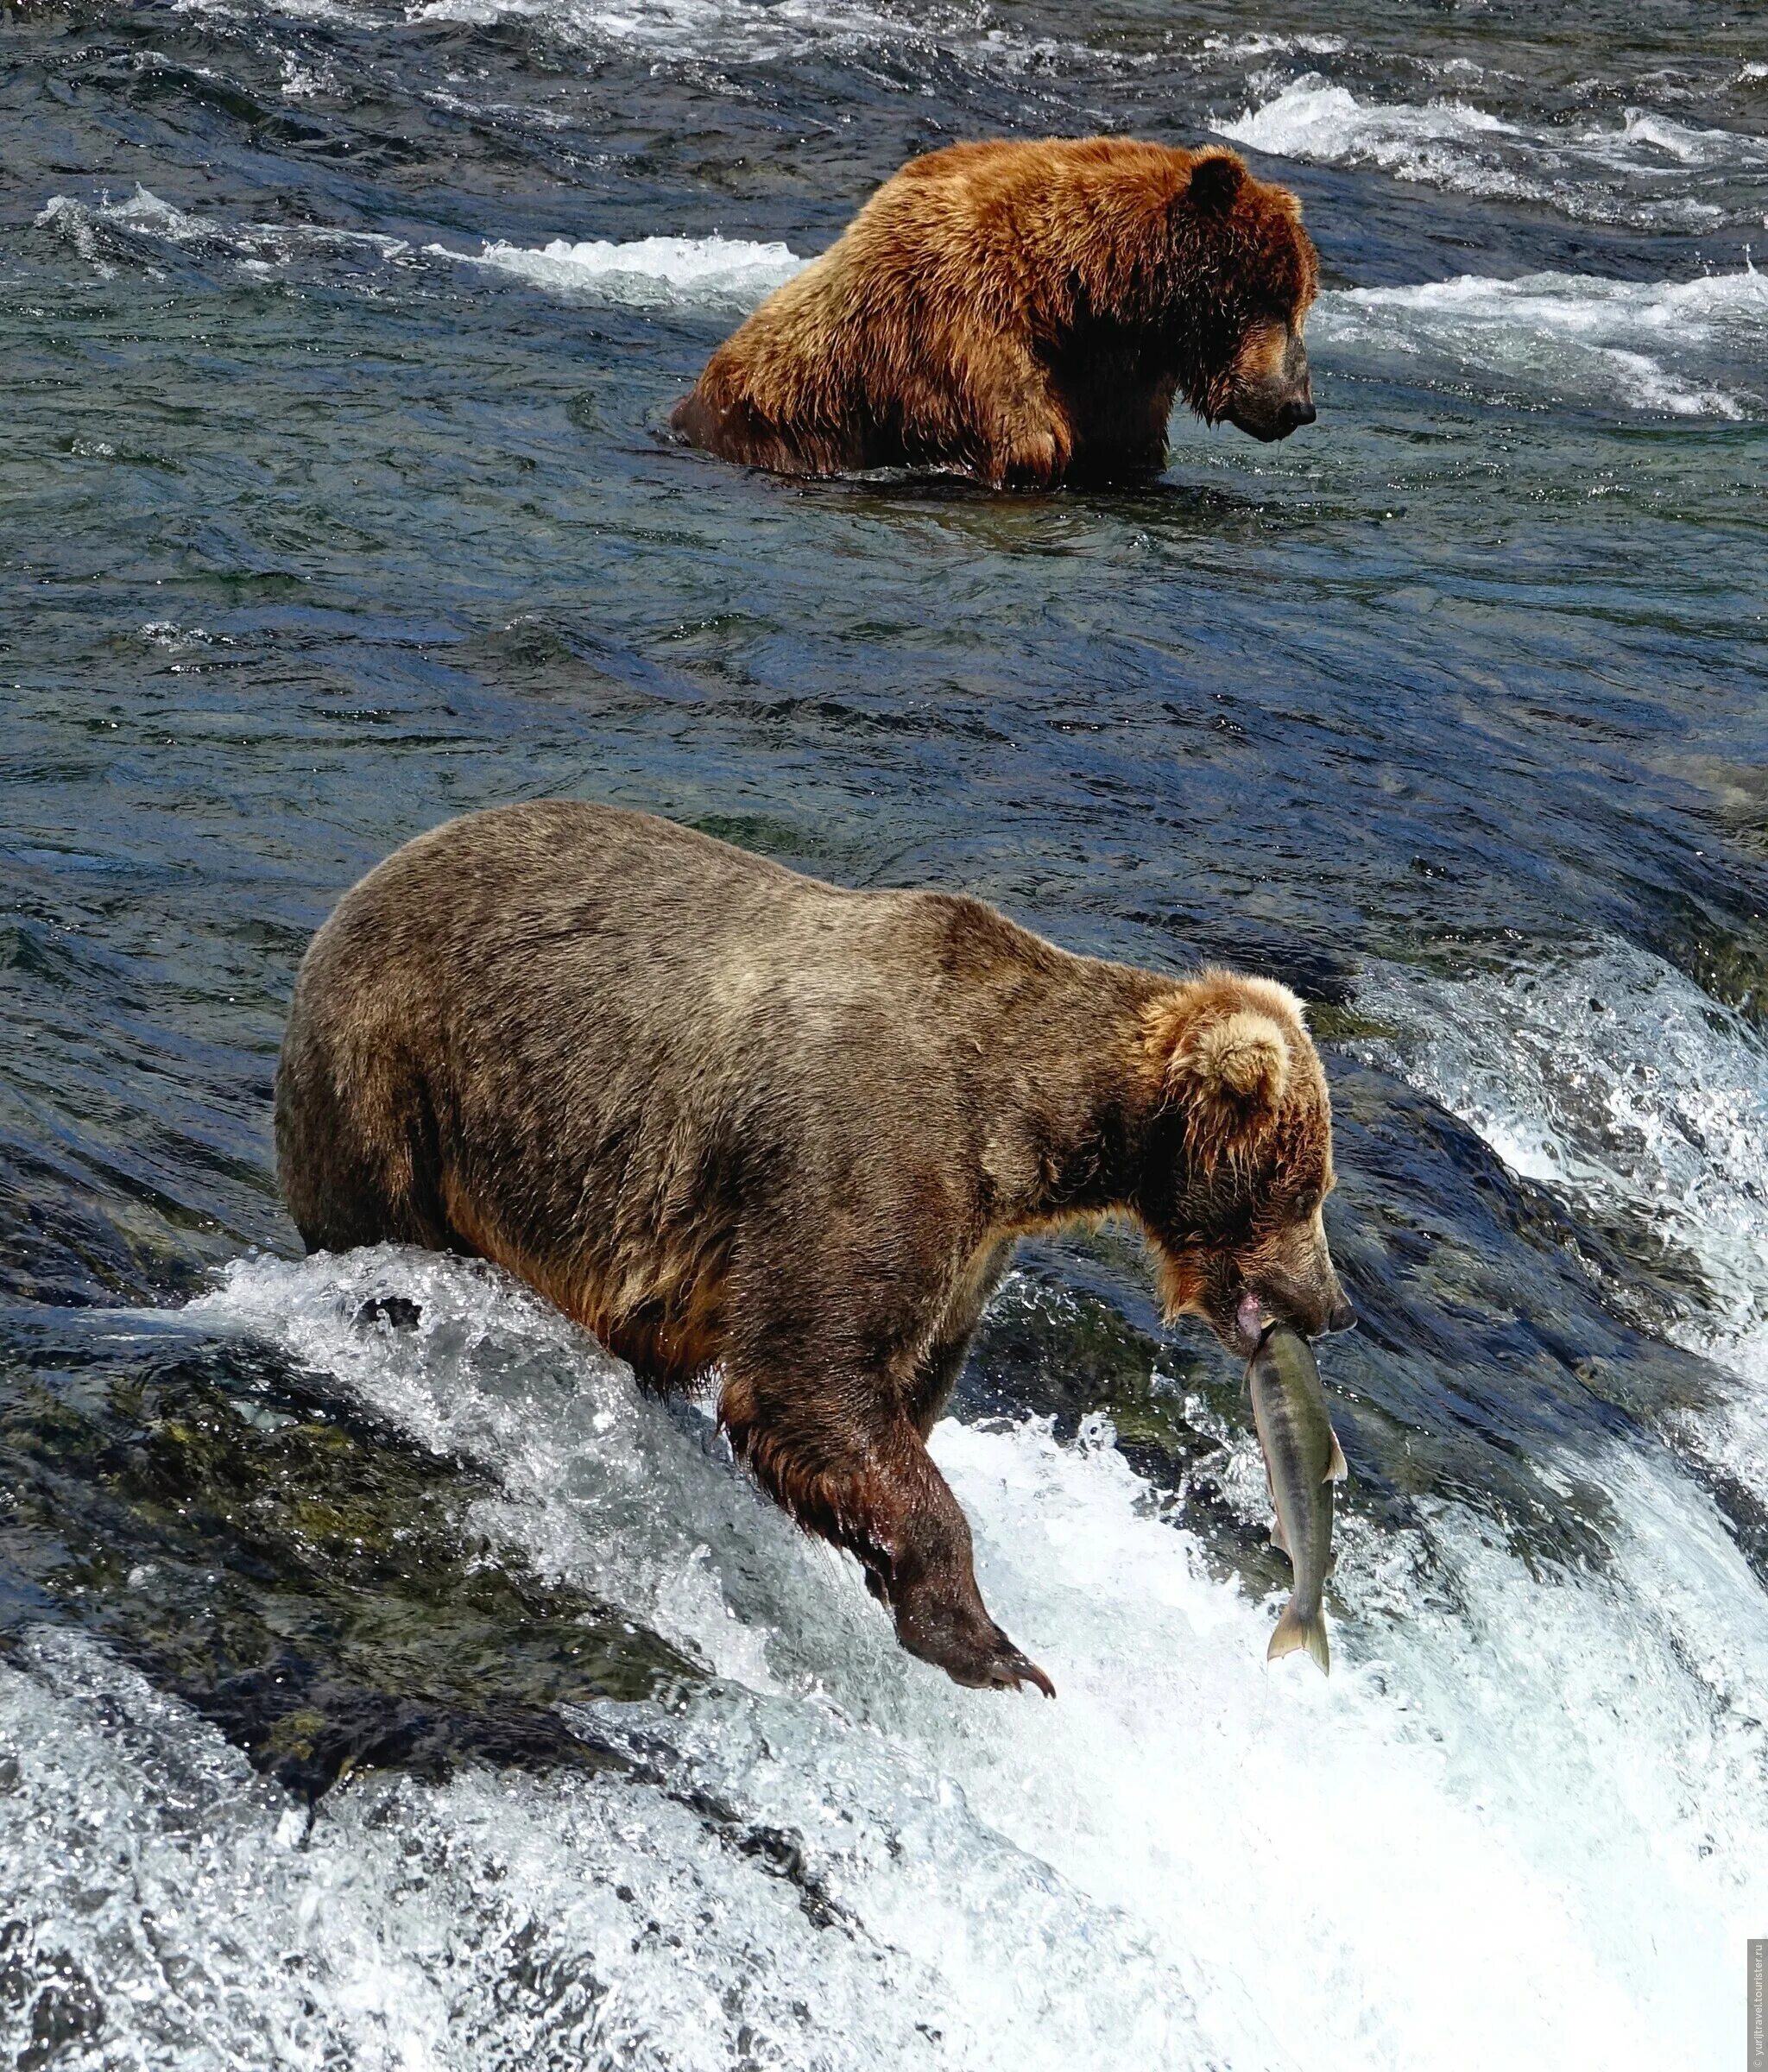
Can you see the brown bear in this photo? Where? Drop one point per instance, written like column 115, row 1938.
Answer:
column 1026, row 312
column 734, row 1118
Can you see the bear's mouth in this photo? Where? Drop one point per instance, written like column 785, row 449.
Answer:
column 1251, row 1315
column 1269, row 428
column 1241, row 1327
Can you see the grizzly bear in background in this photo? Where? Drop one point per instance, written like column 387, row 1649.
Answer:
column 1025, row 312
column 734, row 1118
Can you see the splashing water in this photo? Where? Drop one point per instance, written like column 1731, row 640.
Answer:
column 1189, row 1859
column 652, row 272
column 1649, row 170
column 1607, row 1075
column 1638, row 343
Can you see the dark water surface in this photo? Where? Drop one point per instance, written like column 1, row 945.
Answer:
column 412, row 1697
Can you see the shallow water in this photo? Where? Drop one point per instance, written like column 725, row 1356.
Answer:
column 429, row 1698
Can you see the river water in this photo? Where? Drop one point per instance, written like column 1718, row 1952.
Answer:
column 419, row 1698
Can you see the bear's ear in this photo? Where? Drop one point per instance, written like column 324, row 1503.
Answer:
column 1242, row 1058
column 1215, row 179
column 1225, row 1059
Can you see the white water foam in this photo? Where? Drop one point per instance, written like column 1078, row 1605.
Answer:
column 305, row 10
column 1636, row 344
column 1642, row 130
column 746, row 31
column 1606, row 1074
column 740, row 33
column 1312, row 119
column 93, row 228
column 1241, row 49
column 1191, row 1859
column 649, row 273
column 1630, row 175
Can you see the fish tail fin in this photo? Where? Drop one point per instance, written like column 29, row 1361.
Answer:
column 1293, row 1632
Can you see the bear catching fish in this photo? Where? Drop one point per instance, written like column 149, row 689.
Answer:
column 1026, row 313
column 738, row 1121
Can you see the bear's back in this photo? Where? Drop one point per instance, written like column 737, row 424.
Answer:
column 559, row 916
column 1005, row 218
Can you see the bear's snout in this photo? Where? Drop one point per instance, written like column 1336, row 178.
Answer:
column 1273, row 388
column 1309, row 1317
column 1292, row 1279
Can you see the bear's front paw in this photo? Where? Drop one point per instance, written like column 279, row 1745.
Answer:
column 967, row 1646
column 1033, row 460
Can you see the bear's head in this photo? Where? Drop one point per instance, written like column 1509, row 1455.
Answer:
column 1246, row 273
column 1237, row 1161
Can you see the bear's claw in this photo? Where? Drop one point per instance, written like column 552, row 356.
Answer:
column 1014, row 1669
column 1004, row 1669
column 976, row 1654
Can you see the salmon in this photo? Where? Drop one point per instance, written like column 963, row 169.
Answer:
column 1303, row 1460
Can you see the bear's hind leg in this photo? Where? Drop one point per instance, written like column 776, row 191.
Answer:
column 729, row 425
column 849, row 1465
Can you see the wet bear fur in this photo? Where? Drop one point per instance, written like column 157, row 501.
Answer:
column 743, row 1124
column 1026, row 312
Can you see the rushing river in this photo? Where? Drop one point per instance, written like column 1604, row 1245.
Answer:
column 428, row 1698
